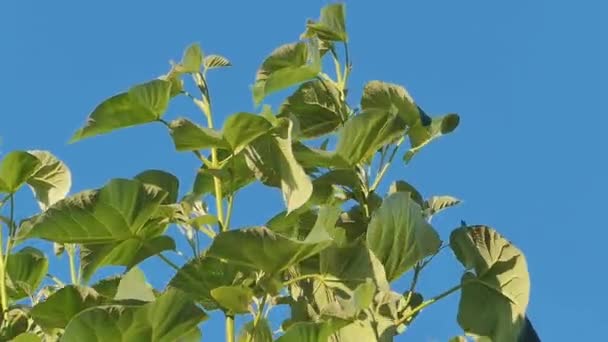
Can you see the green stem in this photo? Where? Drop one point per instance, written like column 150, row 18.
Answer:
column 229, row 328
column 73, row 275
column 385, row 167
column 3, row 296
column 427, row 303
column 229, row 211
column 168, row 262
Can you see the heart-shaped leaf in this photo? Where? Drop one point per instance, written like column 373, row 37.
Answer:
column 17, row 167
column 188, row 136
column 60, row 307
column 52, row 180
column 25, row 271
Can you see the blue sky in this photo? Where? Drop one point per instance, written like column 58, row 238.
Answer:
column 527, row 77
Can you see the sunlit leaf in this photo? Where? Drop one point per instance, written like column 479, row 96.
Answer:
column 495, row 296
column 52, row 180
column 286, row 66
column 25, row 271
column 240, row 129
column 435, row 204
column 403, row 186
column 420, row 135
column 143, row 103
column 399, row 222
column 16, row 168
column 234, row 299
column 133, row 285
column 27, row 337
column 163, row 180
column 188, row 136
column 192, row 59
column 60, row 307
column 390, row 98
column 331, row 25
column 216, row 61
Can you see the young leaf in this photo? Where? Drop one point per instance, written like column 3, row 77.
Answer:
column 399, row 235
column 25, row 271
column 403, row 186
column 171, row 317
column 364, row 295
column 188, row 136
column 163, row 180
column 262, row 249
column 216, row 61
column 288, row 65
column 60, row 307
column 201, row 275
column 435, row 204
column 365, row 133
column 331, row 25
column 240, row 129
column 495, row 297
column 272, row 160
column 317, row 107
column 233, row 299
column 143, row 103
column 391, row 98
column 52, row 180
column 16, row 168
column 420, row 135
column 256, row 331
column 133, row 285
column 192, row 59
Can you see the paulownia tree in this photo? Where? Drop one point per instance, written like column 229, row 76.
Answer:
column 331, row 256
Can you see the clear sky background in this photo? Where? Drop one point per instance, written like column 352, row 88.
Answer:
column 527, row 77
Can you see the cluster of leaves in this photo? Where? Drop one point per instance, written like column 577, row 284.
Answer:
column 331, row 256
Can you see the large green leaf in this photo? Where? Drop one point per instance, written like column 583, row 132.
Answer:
column 143, row 103
column 317, row 107
column 242, row 128
column 391, row 98
column 256, row 331
column 16, row 168
column 260, row 248
column 163, row 180
column 367, row 132
column 127, row 253
column 172, row 317
column 331, row 25
column 201, row 275
column 495, row 296
column 118, row 211
column 233, row 299
column 310, row 157
column 234, row 174
column 272, row 160
column 420, row 135
column 60, row 307
column 52, row 180
column 133, row 285
column 25, row 271
column 188, row 136
column 286, row 66
column 353, row 265
column 399, row 235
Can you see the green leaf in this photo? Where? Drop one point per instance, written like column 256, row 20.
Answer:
column 295, row 225
column 364, row 134
column 286, row 66
column 52, row 180
column 353, row 265
column 25, row 271
column 458, row 339
column 192, row 59
column 107, row 287
column 240, row 129
column 420, row 135
column 27, row 337
column 390, row 98
column 143, row 103
column 436, row 204
column 495, row 297
column 364, row 295
column 60, row 307
column 216, row 61
column 260, row 248
column 201, row 275
column 188, row 136
column 256, row 331
column 127, row 253
column 16, row 168
column 172, row 317
column 133, row 285
column 273, row 162
column 163, row 180
column 317, row 107
column 399, row 235
column 118, row 211
column 311, row 332
column 331, row 25
column 233, row 299
column 15, row 321
column 403, row 186
column 312, row 157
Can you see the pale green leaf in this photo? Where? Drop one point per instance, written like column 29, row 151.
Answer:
column 171, row 317
column 312, row 157
column 286, row 66
column 256, row 331
column 133, row 285
column 240, row 129
column 435, row 204
column 420, row 135
column 317, row 107
column 216, row 61
column 188, row 136
column 260, row 248
column 52, row 180
column 311, row 332
column 25, row 271
column 495, row 296
column 403, row 186
column 27, row 337
column 331, row 25
column 163, row 180
column 391, row 98
column 233, row 299
column 143, row 103
column 399, row 235
column 192, row 59
column 364, row 295
column 60, row 307
column 17, row 167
